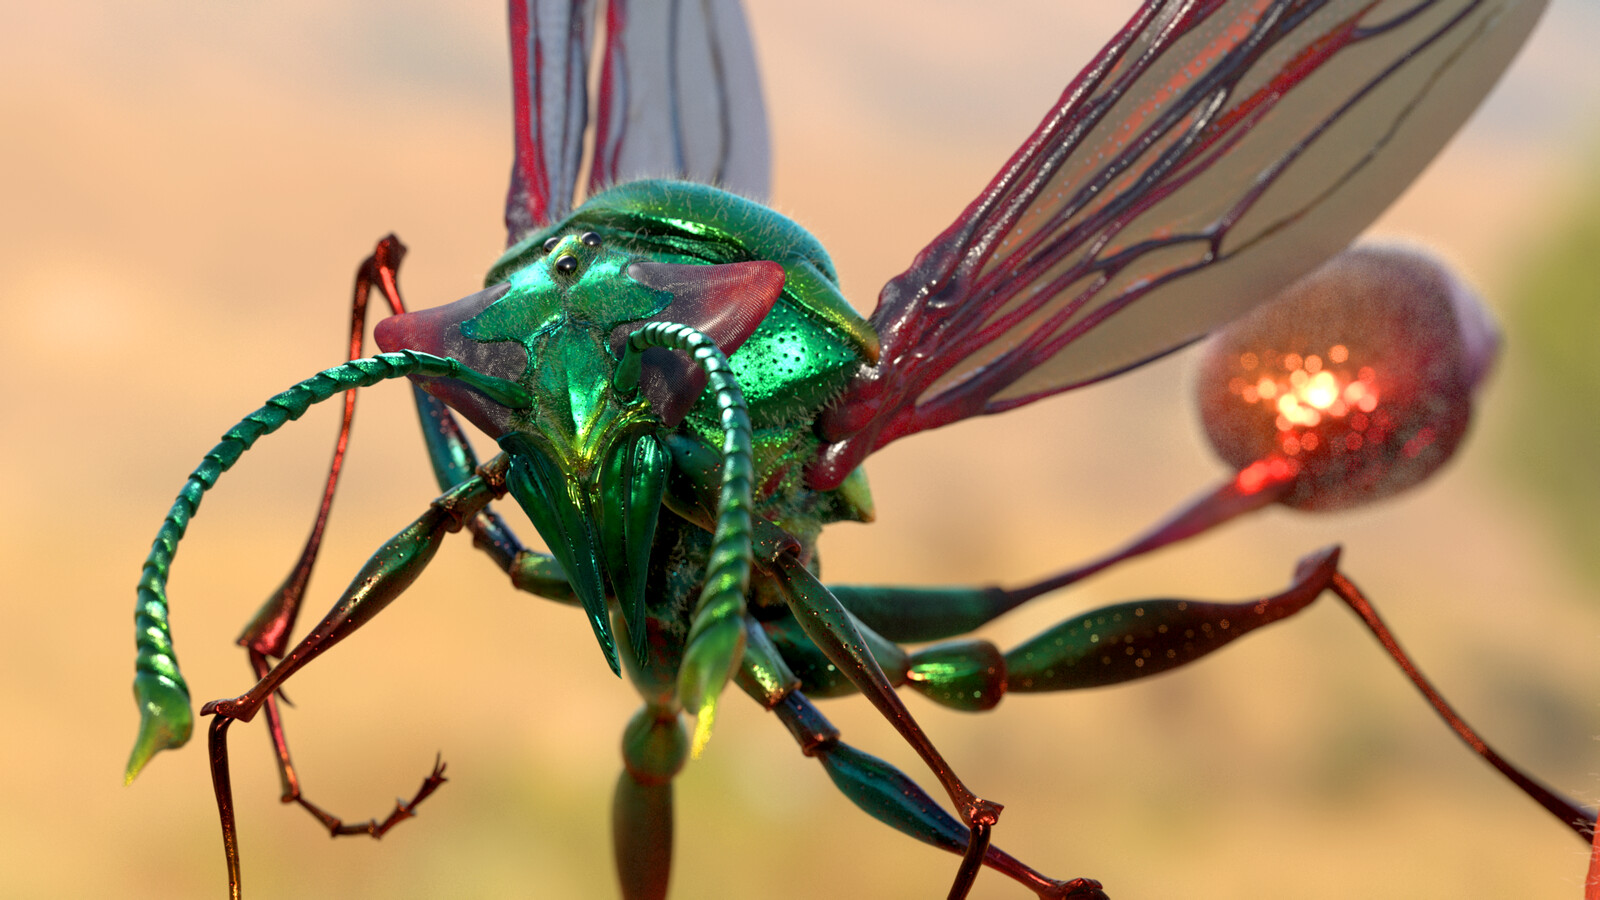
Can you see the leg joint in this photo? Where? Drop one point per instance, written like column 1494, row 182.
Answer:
column 810, row 728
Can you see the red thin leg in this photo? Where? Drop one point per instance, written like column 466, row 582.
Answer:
column 290, row 778
column 402, row 811
column 222, row 786
column 385, row 576
column 1580, row 819
column 268, row 632
column 971, row 861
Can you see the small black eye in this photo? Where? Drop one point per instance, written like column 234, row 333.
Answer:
column 551, row 244
column 590, row 239
column 566, row 264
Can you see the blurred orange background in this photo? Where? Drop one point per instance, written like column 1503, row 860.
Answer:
column 187, row 190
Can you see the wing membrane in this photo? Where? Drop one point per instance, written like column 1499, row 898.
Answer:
column 550, row 42
column 678, row 97
column 1211, row 154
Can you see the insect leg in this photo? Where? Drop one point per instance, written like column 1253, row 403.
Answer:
column 1115, row 644
column 385, row 576
column 1579, row 818
column 267, row 634
column 831, row 629
column 878, row 788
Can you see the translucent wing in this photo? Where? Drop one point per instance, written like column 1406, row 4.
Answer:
column 679, row 97
column 550, row 42
column 1211, row 154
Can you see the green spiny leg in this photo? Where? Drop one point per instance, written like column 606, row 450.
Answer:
column 385, row 576
column 716, row 632
column 654, row 748
column 878, row 788
column 830, row 628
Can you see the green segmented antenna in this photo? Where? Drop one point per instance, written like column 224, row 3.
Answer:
column 165, row 717
column 716, row 637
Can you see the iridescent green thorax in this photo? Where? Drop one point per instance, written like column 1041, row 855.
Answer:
column 789, row 368
column 594, row 463
column 682, row 222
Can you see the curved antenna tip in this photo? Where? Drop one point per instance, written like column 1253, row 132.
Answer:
column 165, row 723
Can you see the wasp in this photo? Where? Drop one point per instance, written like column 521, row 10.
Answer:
column 683, row 398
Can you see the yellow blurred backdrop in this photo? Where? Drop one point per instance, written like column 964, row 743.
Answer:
column 185, row 190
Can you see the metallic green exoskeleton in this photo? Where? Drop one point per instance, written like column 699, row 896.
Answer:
column 593, row 464
column 683, row 397
column 593, row 461
column 653, row 367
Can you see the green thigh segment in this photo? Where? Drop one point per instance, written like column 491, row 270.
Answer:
column 1110, row 645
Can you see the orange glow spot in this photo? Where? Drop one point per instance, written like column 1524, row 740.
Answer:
column 1267, row 388
column 1291, row 362
column 1368, row 403
column 1321, row 391
column 1248, row 361
column 1253, row 478
column 1338, row 353
column 1264, row 473
column 1313, row 364
column 1298, row 378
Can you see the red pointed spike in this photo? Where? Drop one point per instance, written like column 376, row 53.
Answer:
column 438, row 331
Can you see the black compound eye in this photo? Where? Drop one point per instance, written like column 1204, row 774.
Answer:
column 590, row 239
column 552, row 244
column 566, row 264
